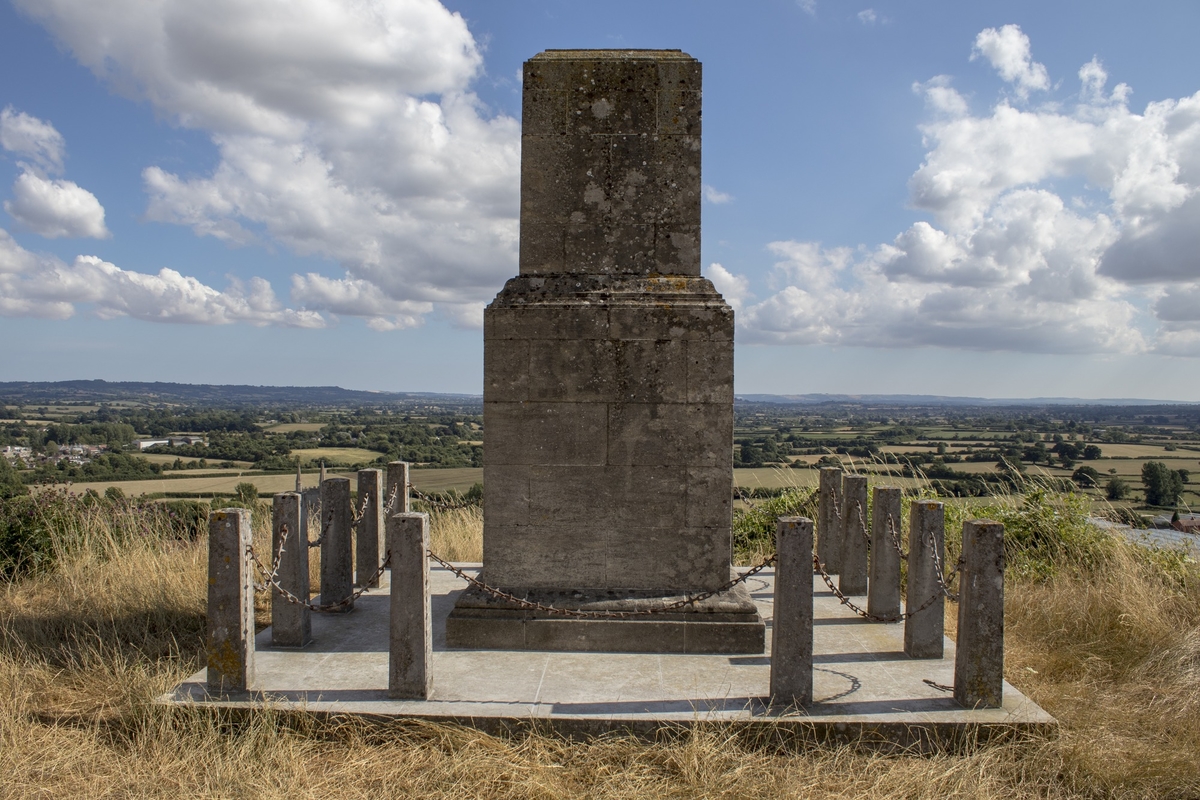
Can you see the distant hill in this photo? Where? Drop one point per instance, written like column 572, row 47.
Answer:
column 39, row 392
column 936, row 400
column 43, row 392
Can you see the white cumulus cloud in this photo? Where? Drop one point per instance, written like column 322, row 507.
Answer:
column 53, row 208
column 1008, row 50
column 45, row 286
column 32, row 138
column 56, row 208
column 1009, row 260
column 868, row 16
column 344, row 130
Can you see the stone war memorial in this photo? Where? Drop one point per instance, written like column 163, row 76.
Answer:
column 607, row 598
column 608, row 376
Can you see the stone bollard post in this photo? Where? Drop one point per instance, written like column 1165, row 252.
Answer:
column 411, row 644
column 291, row 624
column 852, row 580
column 979, row 652
column 883, row 589
column 398, row 482
column 230, row 641
column 925, row 630
column 337, row 549
column 369, row 541
column 792, row 634
column 829, row 523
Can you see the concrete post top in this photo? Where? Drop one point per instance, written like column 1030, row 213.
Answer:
column 928, row 503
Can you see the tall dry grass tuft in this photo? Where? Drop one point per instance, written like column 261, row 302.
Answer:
column 457, row 534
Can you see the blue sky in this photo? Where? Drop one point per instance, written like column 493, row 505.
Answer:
column 990, row 199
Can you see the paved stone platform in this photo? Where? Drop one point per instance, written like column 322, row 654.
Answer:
column 864, row 685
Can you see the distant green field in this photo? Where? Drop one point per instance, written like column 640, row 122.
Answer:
column 427, row 480
column 337, row 455
column 288, row 427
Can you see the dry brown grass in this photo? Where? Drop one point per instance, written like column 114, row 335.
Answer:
column 1115, row 654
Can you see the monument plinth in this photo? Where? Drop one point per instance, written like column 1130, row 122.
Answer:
column 608, row 376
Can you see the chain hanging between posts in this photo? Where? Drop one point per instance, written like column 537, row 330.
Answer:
column 848, row 603
column 530, row 605
column 272, row 581
column 356, row 517
column 862, row 523
column 324, row 530
column 837, row 506
column 939, row 570
column 273, row 576
column 391, row 501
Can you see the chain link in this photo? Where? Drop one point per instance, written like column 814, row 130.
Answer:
column 391, row 501
column 837, row 505
column 272, row 581
column 894, row 535
column 530, row 605
column 939, row 570
column 356, row 517
column 273, row 577
column 324, row 530
column 850, row 604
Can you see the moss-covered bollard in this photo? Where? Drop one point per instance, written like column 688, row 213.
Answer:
column 230, row 640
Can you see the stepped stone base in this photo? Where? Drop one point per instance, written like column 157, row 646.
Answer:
column 728, row 623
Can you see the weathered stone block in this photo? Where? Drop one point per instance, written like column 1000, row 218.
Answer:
column 644, row 434
column 610, row 497
column 696, row 320
column 609, row 247
column 571, row 370
column 533, row 556
column 709, row 371
column 506, row 370
column 650, row 372
column 557, row 321
column 568, row 434
column 506, row 501
column 709, row 497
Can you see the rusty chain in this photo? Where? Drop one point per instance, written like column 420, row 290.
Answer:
column 356, row 517
column 391, row 501
column 530, row 605
column 272, row 581
column 939, row 569
column 273, row 576
column 894, row 535
column 850, row 604
column 324, row 530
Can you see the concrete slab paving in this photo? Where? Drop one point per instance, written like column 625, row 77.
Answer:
column 864, row 685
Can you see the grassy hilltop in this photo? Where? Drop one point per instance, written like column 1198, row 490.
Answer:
column 1103, row 634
